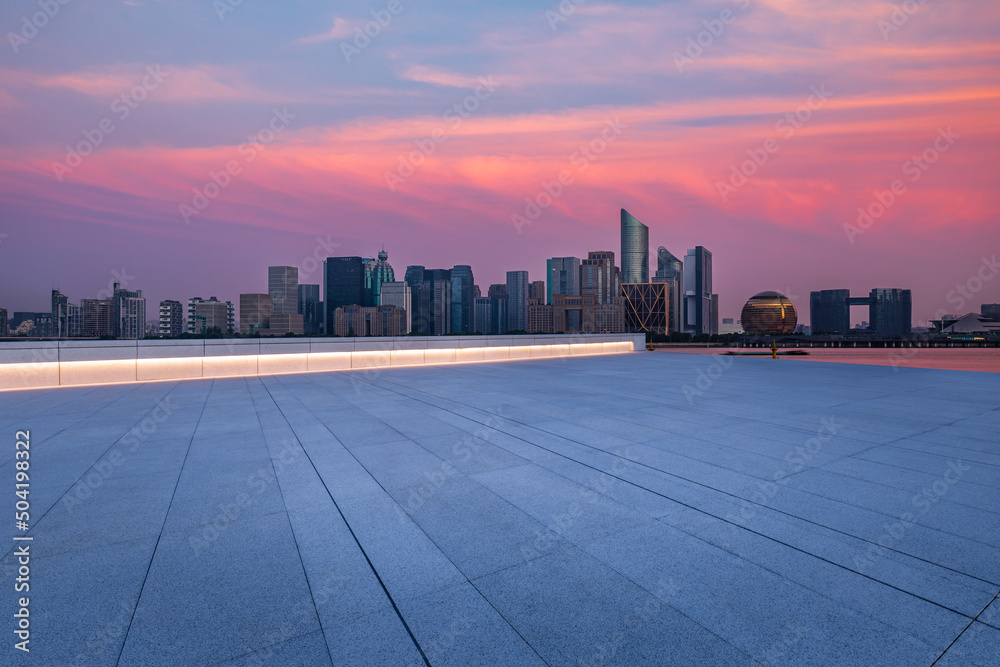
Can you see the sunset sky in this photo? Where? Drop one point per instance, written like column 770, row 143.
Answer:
column 650, row 106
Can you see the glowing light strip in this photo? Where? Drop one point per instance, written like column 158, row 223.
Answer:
column 50, row 375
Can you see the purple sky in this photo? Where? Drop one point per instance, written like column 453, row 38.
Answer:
column 656, row 107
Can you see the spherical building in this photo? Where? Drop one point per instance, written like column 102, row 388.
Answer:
column 769, row 314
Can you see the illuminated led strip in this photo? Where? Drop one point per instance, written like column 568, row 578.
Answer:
column 34, row 375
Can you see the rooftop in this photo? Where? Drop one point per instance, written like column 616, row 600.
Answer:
column 646, row 508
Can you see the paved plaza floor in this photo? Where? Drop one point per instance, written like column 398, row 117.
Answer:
column 645, row 508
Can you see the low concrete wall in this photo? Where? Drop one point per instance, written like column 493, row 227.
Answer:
column 32, row 365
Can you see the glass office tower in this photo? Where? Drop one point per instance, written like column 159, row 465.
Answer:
column 635, row 250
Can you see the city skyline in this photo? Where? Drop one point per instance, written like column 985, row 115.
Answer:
column 770, row 157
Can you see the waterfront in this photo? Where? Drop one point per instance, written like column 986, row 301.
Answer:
column 984, row 359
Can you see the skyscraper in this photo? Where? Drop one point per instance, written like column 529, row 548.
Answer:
column 599, row 276
column 283, row 286
column 171, row 318
column 311, row 309
column 60, row 314
column 698, row 292
column 435, row 301
column 890, row 311
column 4, row 327
column 400, row 295
column 377, row 273
column 129, row 312
column 635, row 250
column 517, row 300
column 97, row 317
column 562, row 277
column 343, row 285
column 670, row 270
column 830, row 311
column 482, row 315
column 462, row 295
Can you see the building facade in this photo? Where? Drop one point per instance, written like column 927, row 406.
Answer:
column 311, row 310
column 377, row 272
column 670, row 271
column 97, row 318
column 399, row 295
column 699, row 317
column 890, row 311
column 990, row 310
column 599, row 276
column 204, row 314
column 635, row 250
column 517, row 300
column 462, row 295
column 830, row 311
column 562, row 277
column 171, row 319
column 369, row 321
column 343, row 285
column 129, row 309
column 255, row 313
column 647, row 307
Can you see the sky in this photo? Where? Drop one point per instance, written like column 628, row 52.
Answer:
column 182, row 146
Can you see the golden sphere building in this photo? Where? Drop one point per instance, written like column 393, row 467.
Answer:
column 769, row 314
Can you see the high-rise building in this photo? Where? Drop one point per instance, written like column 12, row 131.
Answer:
column 203, row 315
column 377, row 273
column 670, row 271
column 536, row 290
column 990, row 310
column 890, row 311
column 482, row 315
column 129, row 308
column 599, row 276
column 698, row 315
column 311, row 309
column 830, row 311
column 171, row 318
column 563, row 277
column 435, row 302
column 497, row 291
column 475, row 292
column 4, row 326
column 255, row 313
column 60, row 314
column 97, row 318
column 399, row 295
column 283, row 286
column 462, row 296
column 517, row 301
column 635, row 250
column 343, row 285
